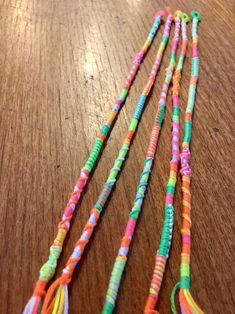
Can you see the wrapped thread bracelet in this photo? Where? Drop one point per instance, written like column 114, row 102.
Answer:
column 56, row 299
column 166, row 237
column 187, row 304
column 121, row 259
column 48, row 269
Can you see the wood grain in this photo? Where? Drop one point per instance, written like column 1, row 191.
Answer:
column 62, row 64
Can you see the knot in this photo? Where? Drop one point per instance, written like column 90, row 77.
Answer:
column 177, row 15
column 168, row 10
column 65, row 278
column 159, row 13
column 196, row 15
column 150, row 306
column 185, row 158
column 39, row 290
column 185, row 17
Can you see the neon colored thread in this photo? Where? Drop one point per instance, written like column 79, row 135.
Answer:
column 121, row 259
column 167, row 230
column 187, row 304
column 65, row 278
column 48, row 269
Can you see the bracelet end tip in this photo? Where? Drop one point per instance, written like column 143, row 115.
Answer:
column 168, row 10
column 185, row 17
column 196, row 15
column 160, row 13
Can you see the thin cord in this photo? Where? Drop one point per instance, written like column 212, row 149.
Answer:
column 167, row 230
column 121, row 259
column 54, row 292
column 48, row 269
column 187, row 304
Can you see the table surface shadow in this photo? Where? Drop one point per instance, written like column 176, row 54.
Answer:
column 62, row 65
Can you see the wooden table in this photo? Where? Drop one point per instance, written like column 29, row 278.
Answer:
column 62, row 64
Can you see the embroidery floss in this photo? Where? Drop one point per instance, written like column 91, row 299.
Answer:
column 166, row 237
column 187, row 304
column 121, row 259
column 48, row 269
column 56, row 300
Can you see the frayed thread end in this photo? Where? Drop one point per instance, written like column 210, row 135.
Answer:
column 33, row 306
column 150, row 306
column 56, row 299
column 187, row 303
column 35, row 302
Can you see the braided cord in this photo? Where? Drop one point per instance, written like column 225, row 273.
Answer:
column 187, row 303
column 48, row 269
column 166, row 236
column 74, row 259
column 121, row 259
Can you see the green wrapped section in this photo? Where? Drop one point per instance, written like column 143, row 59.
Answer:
column 107, row 188
column 105, row 129
column 195, row 67
column 47, row 271
column 123, row 93
column 108, row 308
column 180, row 62
column 98, row 207
column 114, row 284
column 166, row 230
column 93, row 155
column 164, row 39
column 176, row 111
column 141, row 188
column 133, row 124
column 172, row 58
column 187, row 131
column 161, row 115
column 170, row 189
column 184, row 282
column 118, row 163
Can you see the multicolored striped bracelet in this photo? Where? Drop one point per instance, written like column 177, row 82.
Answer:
column 56, row 299
column 187, row 304
column 166, row 237
column 48, row 269
column 121, row 259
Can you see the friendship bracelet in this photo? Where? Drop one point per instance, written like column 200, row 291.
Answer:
column 56, row 299
column 187, row 304
column 48, row 269
column 121, row 259
column 166, row 237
